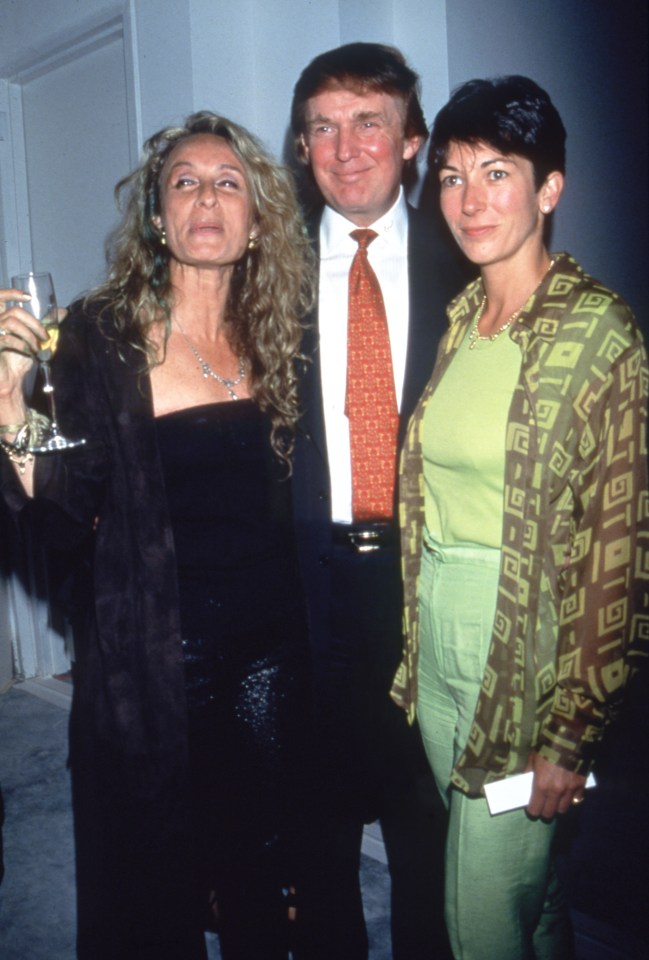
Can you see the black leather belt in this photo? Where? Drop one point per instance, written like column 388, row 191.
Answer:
column 364, row 537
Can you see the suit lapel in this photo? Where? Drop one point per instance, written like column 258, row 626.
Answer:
column 423, row 331
column 312, row 422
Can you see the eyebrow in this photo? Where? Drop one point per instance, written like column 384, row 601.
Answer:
column 499, row 159
column 361, row 115
column 221, row 166
column 485, row 163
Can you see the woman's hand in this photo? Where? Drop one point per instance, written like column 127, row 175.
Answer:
column 20, row 337
column 553, row 789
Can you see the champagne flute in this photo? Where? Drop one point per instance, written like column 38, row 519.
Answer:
column 43, row 307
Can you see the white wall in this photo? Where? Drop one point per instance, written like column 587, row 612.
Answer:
column 163, row 60
column 71, row 171
column 67, row 115
column 35, row 28
column 246, row 66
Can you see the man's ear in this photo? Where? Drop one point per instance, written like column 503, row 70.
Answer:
column 411, row 147
column 302, row 150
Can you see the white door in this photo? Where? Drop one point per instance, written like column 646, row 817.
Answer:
column 68, row 144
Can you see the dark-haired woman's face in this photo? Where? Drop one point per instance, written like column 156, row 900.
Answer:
column 206, row 204
column 490, row 203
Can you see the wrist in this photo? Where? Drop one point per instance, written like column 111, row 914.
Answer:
column 18, row 439
column 12, row 427
column 12, row 415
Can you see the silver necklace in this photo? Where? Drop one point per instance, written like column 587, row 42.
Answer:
column 228, row 382
column 475, row 334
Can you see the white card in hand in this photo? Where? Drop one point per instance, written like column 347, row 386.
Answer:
column 514, row 792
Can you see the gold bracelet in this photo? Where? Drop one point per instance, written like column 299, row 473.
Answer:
column 11, row 427
column 21, row 457
column 28, row 434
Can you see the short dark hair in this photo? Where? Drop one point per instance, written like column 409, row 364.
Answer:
column 361, row 67
column 512, row 114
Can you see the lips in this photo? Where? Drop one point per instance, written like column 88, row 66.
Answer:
column 350, row 175
column 476, row 233
column 206, row 228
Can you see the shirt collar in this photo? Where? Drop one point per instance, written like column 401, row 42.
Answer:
column 392, row 229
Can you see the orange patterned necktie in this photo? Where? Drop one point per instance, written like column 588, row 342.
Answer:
column 371, row 402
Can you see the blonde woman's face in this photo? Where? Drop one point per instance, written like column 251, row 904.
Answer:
column 206, row 204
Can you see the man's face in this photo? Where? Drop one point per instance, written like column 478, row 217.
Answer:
column 356, row 146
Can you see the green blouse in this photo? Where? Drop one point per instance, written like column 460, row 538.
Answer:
column 572, row 617
column 463, row 443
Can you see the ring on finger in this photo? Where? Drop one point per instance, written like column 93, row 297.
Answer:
column 577, row 800
column 4, row 332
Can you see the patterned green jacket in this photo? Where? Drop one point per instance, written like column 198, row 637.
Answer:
column 572, row 614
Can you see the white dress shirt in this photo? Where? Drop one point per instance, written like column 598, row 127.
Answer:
column 388, row 255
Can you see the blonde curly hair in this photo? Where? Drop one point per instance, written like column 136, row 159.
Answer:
column 272, row 287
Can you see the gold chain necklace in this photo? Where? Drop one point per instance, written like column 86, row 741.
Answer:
column 475, row 335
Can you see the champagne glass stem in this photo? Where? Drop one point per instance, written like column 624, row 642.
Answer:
column 48, row 390
column 42, row 306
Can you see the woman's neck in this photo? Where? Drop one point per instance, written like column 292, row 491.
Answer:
column 507, row 286
column 199, row 300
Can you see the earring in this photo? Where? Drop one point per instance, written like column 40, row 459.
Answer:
column 546, row 208
column 252, row 241
column 158, row 226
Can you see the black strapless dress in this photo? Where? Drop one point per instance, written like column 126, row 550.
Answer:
column 246, row 663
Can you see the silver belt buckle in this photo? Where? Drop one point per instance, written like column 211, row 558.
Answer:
column 361, row 540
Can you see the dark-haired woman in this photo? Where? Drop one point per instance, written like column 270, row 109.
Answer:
column 524, row 508
column 190, row 695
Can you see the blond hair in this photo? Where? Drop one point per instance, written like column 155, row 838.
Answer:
column 272, row 287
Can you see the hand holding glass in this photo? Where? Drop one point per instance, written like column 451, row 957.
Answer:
column 43, row 307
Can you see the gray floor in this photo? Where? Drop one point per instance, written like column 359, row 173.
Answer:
column 37, row 912
column 37, row 894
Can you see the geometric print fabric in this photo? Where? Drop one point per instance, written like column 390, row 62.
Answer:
column 370, row 402
column 572, row 620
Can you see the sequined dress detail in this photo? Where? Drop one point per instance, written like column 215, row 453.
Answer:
column 244, row 636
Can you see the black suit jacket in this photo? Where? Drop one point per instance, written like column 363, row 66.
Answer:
column 434, row 279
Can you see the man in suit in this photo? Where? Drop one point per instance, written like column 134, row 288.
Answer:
column 358, row 126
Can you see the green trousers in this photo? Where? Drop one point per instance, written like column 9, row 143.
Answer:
column 502, row 899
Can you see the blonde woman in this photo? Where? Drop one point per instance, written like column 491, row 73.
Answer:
column 190, row 704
